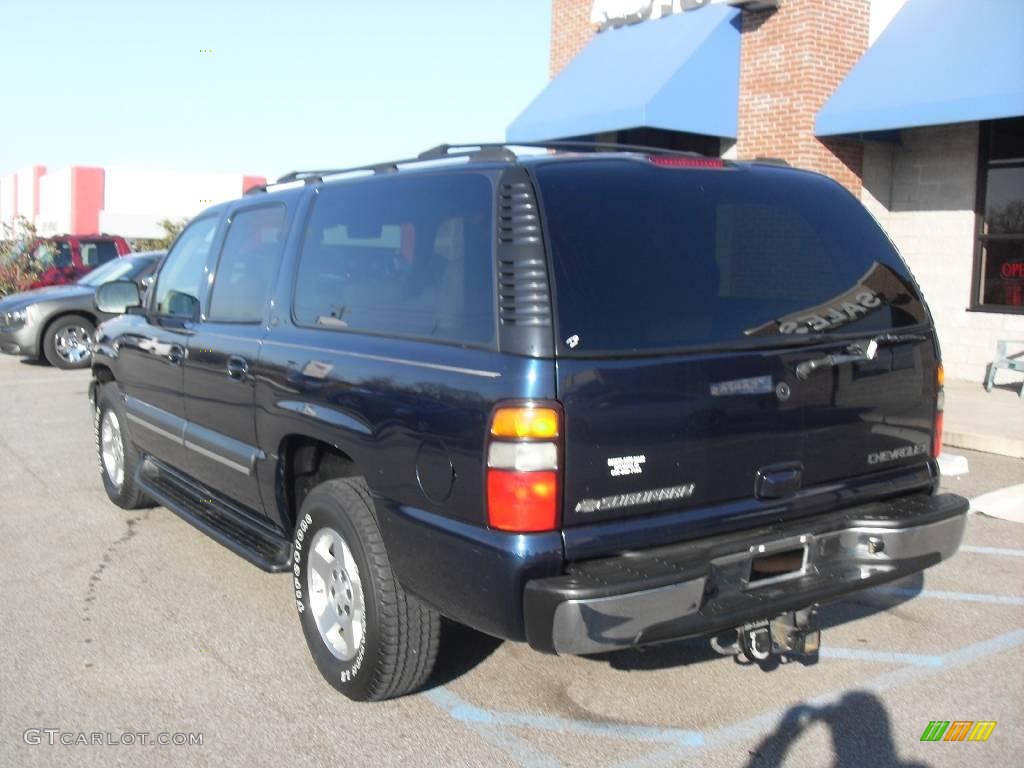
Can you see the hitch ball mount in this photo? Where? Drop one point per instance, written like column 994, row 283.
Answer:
column 789, row 634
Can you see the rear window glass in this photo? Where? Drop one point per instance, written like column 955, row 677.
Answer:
column 402, row 256
column 648, row 257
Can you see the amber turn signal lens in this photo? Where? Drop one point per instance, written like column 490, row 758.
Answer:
column 940, row 375
column 527, row 422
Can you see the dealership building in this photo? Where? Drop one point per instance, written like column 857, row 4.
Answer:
column 120, row 201
column 915, row 106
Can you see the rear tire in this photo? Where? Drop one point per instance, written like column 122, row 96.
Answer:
column 369, row 638
column 118, row 456
column 67, row 342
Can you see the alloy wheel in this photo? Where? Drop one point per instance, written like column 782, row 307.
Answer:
column 336, row 594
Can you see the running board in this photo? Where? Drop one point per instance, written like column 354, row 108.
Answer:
column 223, row 521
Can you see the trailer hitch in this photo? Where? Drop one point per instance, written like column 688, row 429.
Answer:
column 787, row 635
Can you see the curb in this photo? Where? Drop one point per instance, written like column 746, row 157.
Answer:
column 973, row 441
column 952, row 465
column 1006, row 503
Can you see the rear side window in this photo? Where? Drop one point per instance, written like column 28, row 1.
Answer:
column 408, row 256
column 95, row 253
column 648, row 257
column 248, row 263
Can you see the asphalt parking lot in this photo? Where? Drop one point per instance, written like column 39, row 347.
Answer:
column 126, row 623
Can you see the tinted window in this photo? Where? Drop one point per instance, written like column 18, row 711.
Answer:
column 648, row 257
column 177, row 287
column 402, row 255
column 127, row 268
column 53, row 254
column 248, row 262
column 1000, row 254
column 96, row 253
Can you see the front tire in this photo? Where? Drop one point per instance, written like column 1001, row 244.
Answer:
column 369, row 638
column 118, row 456
column 67, row 343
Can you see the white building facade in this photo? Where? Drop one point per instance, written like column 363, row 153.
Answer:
column 122, row 201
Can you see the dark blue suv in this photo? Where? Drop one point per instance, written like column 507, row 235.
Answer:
column 586, row 398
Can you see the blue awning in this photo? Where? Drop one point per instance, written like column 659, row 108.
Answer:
column 938, row 61
column 678, row 73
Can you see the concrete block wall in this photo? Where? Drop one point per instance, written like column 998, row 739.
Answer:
column 923, row 194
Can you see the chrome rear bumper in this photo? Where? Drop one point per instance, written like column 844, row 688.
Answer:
column 707, row 586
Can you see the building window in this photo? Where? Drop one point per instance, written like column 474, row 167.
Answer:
column 999, row 254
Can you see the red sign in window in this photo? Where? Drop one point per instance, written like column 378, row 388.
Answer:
column 1012, row 270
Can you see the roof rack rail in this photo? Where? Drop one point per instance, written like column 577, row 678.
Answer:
column 444, row 150
column 484, row 151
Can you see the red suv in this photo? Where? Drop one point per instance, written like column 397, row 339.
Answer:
column 68, row 257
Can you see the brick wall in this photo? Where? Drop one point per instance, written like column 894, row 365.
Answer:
column 571, row 30
column 922, row 191
column 791, row 61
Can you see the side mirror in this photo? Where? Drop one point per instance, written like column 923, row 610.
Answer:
column 117, row 297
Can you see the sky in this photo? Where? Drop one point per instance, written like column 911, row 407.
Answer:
column 260, row 87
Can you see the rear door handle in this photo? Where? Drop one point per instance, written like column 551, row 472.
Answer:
column 175, row 354
column 238, row 367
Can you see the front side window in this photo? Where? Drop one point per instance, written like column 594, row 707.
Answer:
column 53, row 254
column 177, row 286
column 999, row 267
column 404, row 256
column 248, row 263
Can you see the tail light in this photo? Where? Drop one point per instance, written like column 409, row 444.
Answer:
column 522, row 468
column 940, row 404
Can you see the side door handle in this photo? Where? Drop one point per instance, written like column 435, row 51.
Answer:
column 238, row 367
column 175, row 354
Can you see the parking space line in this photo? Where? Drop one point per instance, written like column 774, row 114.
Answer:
column 518, row 749
column 463, row 711
column 967, row 597
column 887, row 657
column 759, row 725
column 992, row 550
column 491, row 724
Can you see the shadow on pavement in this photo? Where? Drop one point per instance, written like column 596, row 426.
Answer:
column 860, row 606
column 34, row 362
column 858, row 724
column 462, row 650
column 697, row 650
